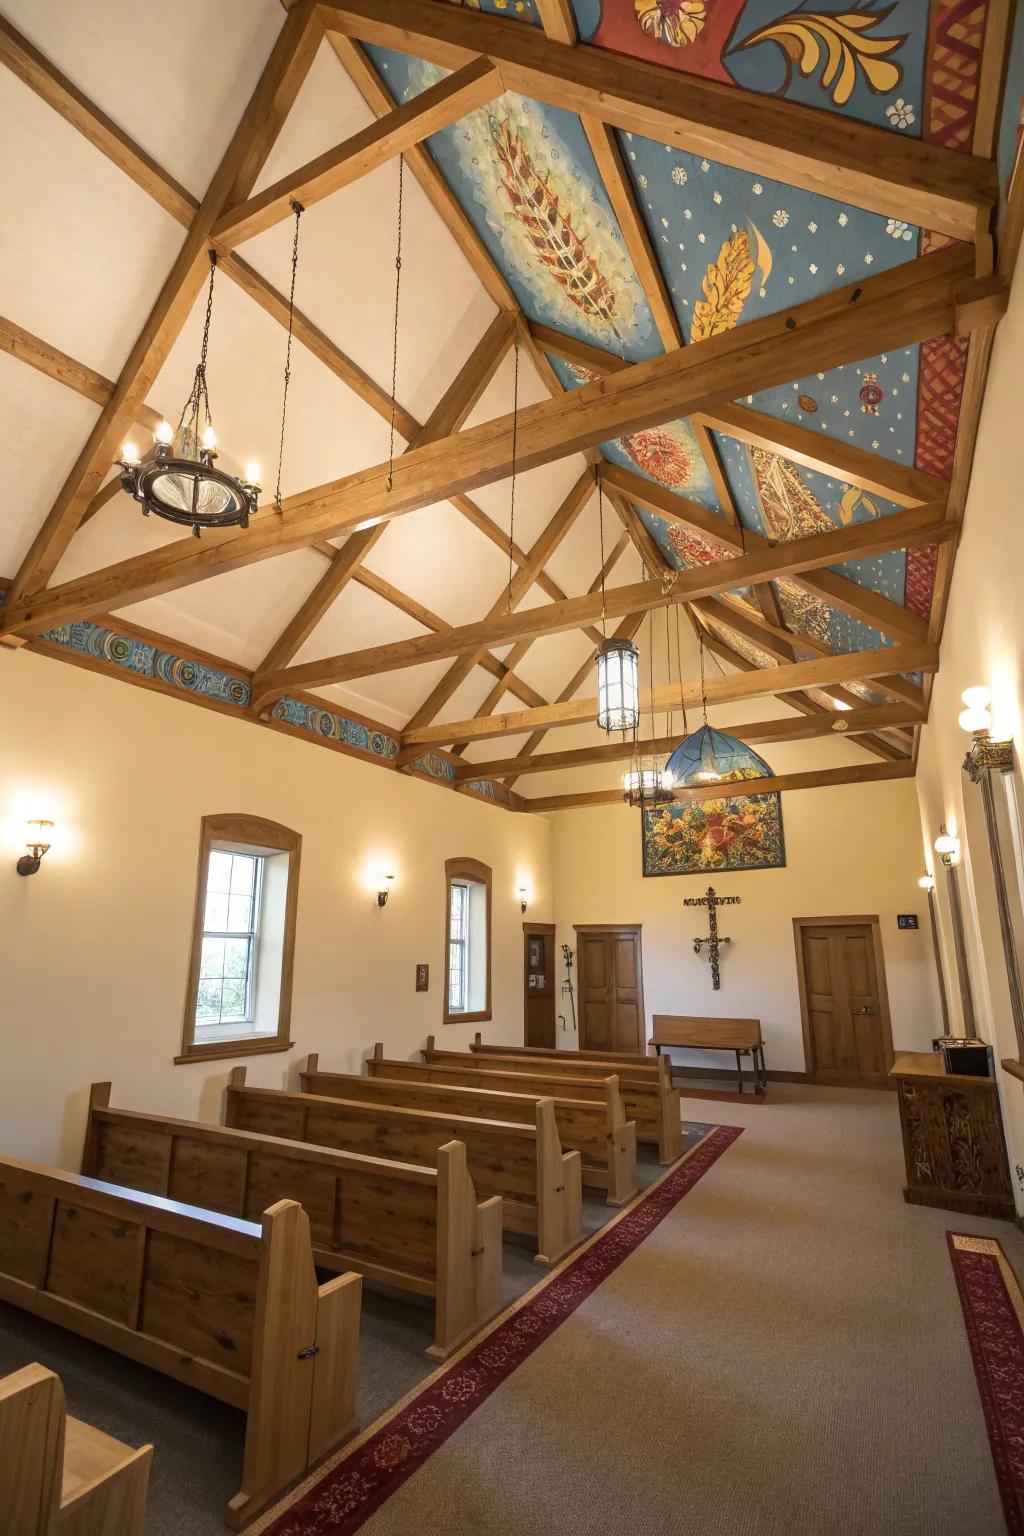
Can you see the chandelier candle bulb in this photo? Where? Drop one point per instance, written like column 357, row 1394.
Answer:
column 252, row 473
column 210, row 440
column 129, row 453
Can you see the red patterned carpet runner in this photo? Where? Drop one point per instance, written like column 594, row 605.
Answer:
column 994, row 1314
column 357, row 1482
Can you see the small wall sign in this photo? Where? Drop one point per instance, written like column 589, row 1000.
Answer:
column 422, row 978
column 906, row 920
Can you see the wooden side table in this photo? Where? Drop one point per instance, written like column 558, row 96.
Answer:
column 952, row 1138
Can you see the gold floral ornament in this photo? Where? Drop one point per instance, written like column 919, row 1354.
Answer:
column 728, row 281
column 675, row 22
column 837, row 45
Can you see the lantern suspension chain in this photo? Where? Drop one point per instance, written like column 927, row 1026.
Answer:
column 512, row 488
column 600, row 523
column 394, row 347
column 298, row 211
column 199, row 398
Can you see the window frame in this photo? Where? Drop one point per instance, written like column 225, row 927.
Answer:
column 456, row 871
column 261, row 836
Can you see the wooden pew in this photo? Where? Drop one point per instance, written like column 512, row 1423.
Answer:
column 417, row 1229
column 58, row 1476
column 540, row 1185
column 705, row 1034
column 541, row 1052
column 230, row 1307
column 648, row 1097
column 598, row 1132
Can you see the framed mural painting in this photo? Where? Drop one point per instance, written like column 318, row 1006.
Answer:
column 702, row 837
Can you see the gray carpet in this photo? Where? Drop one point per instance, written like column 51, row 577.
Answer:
column 198, row 1442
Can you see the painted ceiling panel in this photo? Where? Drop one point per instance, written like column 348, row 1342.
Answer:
column 864, row 59
column 525, row 176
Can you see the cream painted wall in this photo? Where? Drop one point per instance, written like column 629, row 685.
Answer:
column 983, row 643
column 94, row 949
column 853, row 850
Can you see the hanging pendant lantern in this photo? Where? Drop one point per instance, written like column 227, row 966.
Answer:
column 645, row 787
column 618, row 688
column 178, row 480
column 708, row 756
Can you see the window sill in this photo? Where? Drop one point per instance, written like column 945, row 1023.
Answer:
column 1014, row 1068
column 223, row 1050
column 468, row 1018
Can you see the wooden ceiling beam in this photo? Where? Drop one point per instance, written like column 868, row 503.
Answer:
column 815, row 150
column 455, row 405
column 286, row 69
column 331, row 584
column 917, row 525
column 894, row 308
column 441, row 105
column 759, row 733
column 811, row 778
column 857, row 666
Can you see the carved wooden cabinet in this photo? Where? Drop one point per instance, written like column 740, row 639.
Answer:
column 952, row 1138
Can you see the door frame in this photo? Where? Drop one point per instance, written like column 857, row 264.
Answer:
column 634, row 928
column 869, row 920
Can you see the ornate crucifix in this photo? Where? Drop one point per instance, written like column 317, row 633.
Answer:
column 711, row 901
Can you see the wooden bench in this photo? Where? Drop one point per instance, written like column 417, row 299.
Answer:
column 648, row 1097
column 740, row 1035
column 417, row 1229
column 227, row 1306
column 612, row 1059
column 600, row 1133
column 58, row 1476
column 540, row 1185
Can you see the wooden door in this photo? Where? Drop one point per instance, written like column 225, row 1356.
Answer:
column 611, row 989
column 539, row 984
column 847, row 1034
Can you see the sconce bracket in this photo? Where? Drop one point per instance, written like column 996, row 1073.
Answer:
column 987, row 756
column 29, row 864
column 382, row 898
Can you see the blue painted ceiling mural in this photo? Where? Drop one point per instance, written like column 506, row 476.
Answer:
column 734, row 247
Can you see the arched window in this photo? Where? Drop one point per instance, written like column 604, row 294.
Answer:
column 239, row 992
column 467, row 950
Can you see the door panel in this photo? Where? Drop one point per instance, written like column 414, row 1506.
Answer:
column 539, row 986
column 611, row 991
column 848, row 1042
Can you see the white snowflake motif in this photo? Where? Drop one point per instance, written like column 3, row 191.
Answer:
column 813, row 227
column 679, row 176
column 834, row 399
column 899, row 230
column 642, row 179
column 901, row 113
column 687, row 213
column 664, row 223
column 717, row 196
column 906, row 378
column 780, row 218
column 840, row 269
column 757, row 189
column 701, row 238
column 812, row 268
column 705, row 165
column 844, row 219
column 868, row 259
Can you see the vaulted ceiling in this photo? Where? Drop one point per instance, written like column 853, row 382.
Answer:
column 739, row 261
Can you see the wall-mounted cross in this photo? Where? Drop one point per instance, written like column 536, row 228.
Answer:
column 712, row 902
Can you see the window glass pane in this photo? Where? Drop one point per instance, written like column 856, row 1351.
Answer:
column 212, row 963
column 239, row 914
column 208, row 1005
column 236, row 958
column 216, row 919
column 233, row 1001
column 243, row 869
column 219, row 877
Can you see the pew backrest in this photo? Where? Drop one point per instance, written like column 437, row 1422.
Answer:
column 614, row 1060
column 224, row 1305
column 636, row 1069
column 707, row 1033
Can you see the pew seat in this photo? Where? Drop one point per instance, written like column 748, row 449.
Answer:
column 227, row 1306
column 60, row 1476
column 419, row 1230
column 539, row 1184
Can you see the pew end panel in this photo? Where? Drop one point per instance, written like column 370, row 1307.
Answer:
column 59, row 1475
column 469, row 1254
column 559, row 1191
column 622, row 1185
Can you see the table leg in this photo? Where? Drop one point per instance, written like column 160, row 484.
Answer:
column 739, row 1072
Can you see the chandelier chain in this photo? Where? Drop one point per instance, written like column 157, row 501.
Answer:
column 512, row 490
column 703, row 687
column 298, row 211
column 394, row 346
column 600, row 523
column 199, row 397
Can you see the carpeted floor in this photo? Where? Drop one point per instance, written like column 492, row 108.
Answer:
column 785, row 1353
column 198, row 1442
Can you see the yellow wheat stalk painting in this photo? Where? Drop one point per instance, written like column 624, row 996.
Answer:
column 727, row 283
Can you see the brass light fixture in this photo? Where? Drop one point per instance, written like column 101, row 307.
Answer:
column 947, row 847
column 385, row 891
column 984, row 753
column 38, row 844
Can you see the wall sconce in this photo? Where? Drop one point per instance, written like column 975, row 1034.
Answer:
column 29, row 863
column 984, row 753
column 523, row 895
column 947, row 847
column 385, row 892
column 927, row 882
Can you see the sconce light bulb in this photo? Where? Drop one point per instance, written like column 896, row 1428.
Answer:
column 164, row 434
column 977, row 697
column 947, row 847
column 927, row 882
column 974, row 719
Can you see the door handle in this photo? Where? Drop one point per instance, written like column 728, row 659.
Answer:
column 865, row 1010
